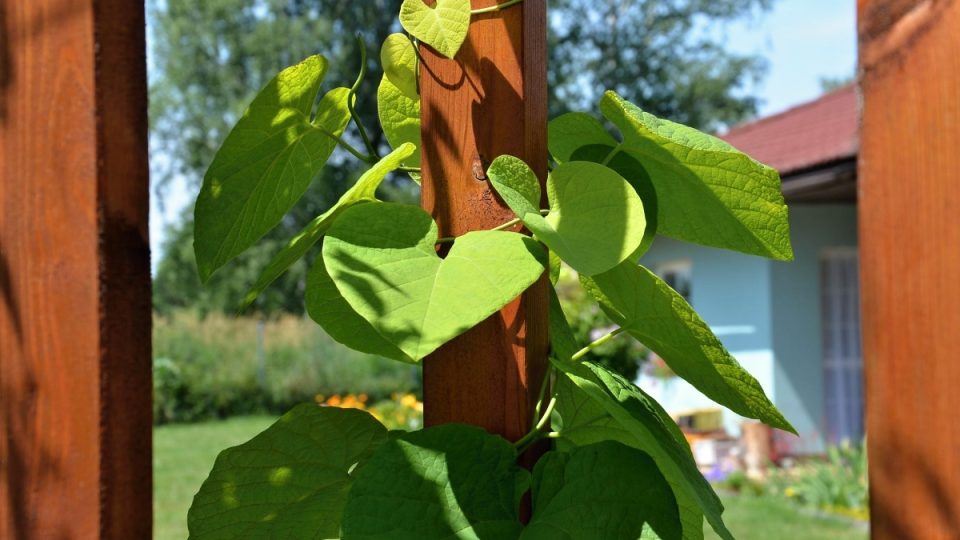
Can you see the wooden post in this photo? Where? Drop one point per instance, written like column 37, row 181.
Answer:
column 491, row 100
column 910, row 263
column 75, row 391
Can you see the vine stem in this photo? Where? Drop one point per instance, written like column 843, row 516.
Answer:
column 349, row 148
column 612, row 153
column 502, row 226
column 596, row 343
column 352, row 99
column 495, row 8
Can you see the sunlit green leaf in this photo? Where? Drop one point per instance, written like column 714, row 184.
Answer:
column 330, row 310
column 596, row 218
column 598, row 405
column 266, row 163
column 449, row 481
column 657, row 316
column 363, row 190
column 604, row 490
column 400, row 119
column 443, row 25
column 572, row 131
column 290, row 481
column 708, row 192
column 384, row 262
column 399, row 60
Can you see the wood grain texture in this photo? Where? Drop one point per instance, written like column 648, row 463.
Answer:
column 490, row 100
column 75, row 391
column 910, row 264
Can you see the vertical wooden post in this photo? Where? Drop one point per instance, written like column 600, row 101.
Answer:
column 910, row 263
column 75, row 391
column 491, row 100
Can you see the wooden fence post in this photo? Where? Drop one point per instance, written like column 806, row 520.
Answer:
column 75, row 391
column 910, row 263
column 491, row 100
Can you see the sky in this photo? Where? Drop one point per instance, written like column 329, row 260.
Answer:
column 802, row 41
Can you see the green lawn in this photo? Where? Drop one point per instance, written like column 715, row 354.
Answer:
column 184, row 454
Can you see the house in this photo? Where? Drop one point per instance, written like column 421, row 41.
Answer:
column 794, row 325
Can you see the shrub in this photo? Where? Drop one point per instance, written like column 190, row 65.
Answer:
column 208, row 367
column 837, row 484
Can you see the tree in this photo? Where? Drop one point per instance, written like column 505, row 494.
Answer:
column 213, row 56
column 656, row 53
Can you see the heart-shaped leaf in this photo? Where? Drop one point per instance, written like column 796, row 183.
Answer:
column 266, row 163
column 657, row 316
column 708, row 192
column 597, row 405
column 605, row 490
column 443, row 25
column 291, row 481
column 363, row 190
column 331, row 311
column 400, row 118
column 458, row 481
column 383, row 260
column 399, row 60
column 449, row 481
column 596, row 218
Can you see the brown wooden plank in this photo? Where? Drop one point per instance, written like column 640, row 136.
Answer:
column 490, row 101
column 75, row 408
column 910, row 264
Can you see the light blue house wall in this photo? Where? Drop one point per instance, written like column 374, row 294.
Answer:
column 767, row 314
column 796, row 307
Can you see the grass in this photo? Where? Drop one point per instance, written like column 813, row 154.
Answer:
column 184, row 454
column 751, row 517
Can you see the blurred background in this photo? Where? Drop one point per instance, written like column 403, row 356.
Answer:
column 773, row 77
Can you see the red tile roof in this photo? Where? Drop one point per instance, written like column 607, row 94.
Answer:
column 811, row 134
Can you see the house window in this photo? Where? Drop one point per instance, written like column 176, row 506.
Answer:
column 678, row 275
column 842, row 354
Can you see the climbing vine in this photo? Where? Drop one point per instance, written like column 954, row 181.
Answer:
column 620, row 467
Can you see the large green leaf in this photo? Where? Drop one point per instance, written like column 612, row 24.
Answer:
column 596, row 218
column 443, row 25
column 398, row 56
column 605, row 490
column 400, row 119
column 363, row 190
column 330, row 310
column 708, row 192
column 657, row 316
column 384, row 262
column 291, row 481
column 449, row 481
column 596, row 405
column 266, row 163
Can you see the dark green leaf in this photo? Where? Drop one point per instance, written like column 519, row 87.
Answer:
column 597, row 405
column 449, row 481
column 604, row 490
column 291, row 481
